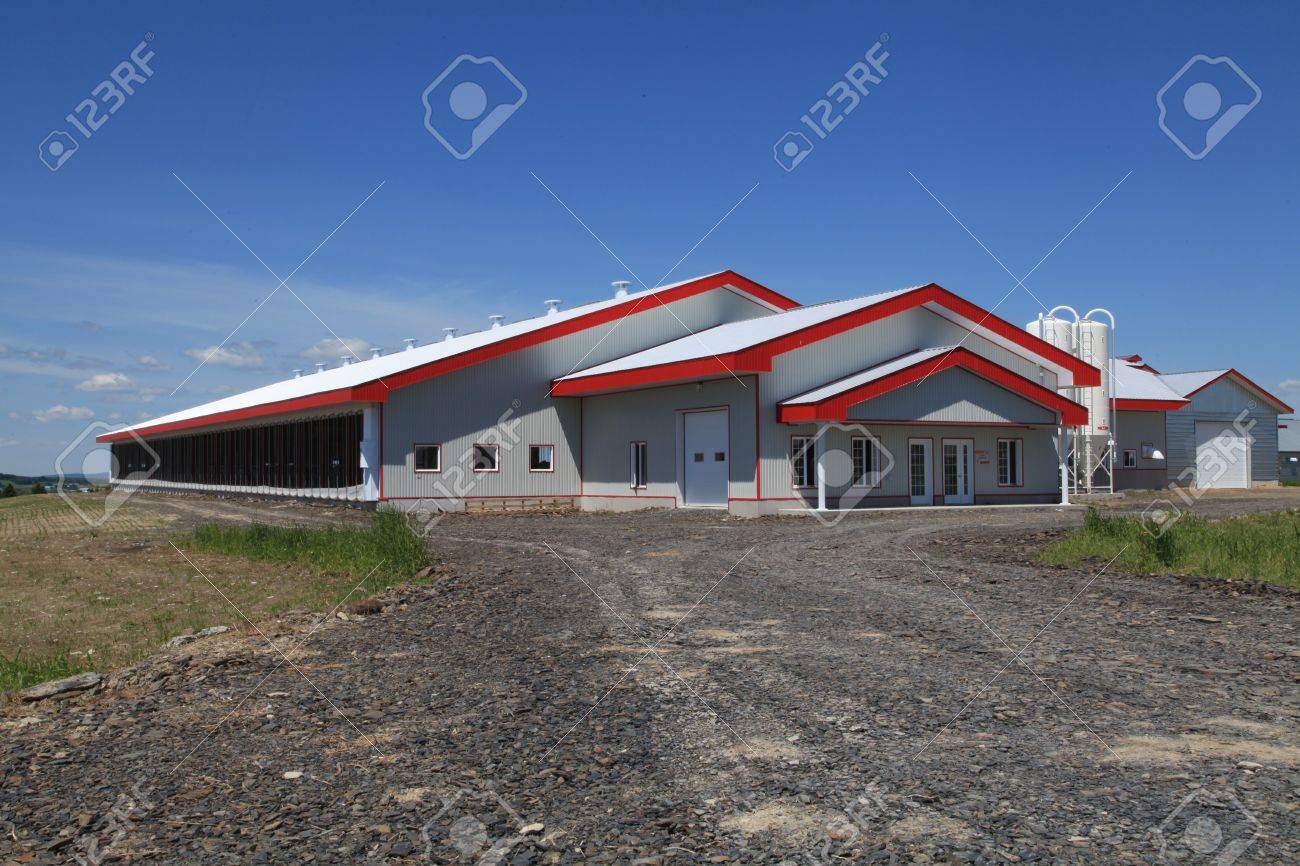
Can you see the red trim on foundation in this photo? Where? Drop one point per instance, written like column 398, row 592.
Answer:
column 377, row 390
column 758, row 358
column 1268, row 398
column 836, row 408
column 1126, row 404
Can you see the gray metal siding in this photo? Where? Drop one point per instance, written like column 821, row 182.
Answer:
column 806, row 368
column 1131, row 430
column 459, row 409
column 610, row 422
column 1039, row 462
column 1222, row 401
column 953, row 395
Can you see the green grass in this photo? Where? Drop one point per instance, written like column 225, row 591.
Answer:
column 387, row 550
column 1257, row 547
column 19, row 673
column 1291, row 482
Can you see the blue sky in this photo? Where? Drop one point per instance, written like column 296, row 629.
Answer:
column 650, row 124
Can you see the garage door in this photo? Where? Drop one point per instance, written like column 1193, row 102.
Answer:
column 1222, row 455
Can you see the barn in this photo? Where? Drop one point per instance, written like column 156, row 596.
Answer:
column 713, row 392
column 1204, row 429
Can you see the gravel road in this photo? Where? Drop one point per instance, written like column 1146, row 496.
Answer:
column 672, row 687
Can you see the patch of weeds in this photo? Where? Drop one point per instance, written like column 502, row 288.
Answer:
column 1257, row 547
column 19, row 672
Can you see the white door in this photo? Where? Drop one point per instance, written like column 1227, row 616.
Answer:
column 705, row 458
column 918, row 471
column 957, row 486
column 1222, row 455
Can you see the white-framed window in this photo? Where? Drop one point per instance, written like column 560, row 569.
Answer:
column 485, row 457
column 638, row 466
column 802, row 460
column 428, row 458
column 1130, row 459
column 1010, row 463
column 866, row 462
column 541, row 458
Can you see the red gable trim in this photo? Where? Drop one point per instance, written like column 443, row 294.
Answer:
column 758, row 358
column 1268, row 398
column 1135, row 405
column 836, row 408
column 377, row 390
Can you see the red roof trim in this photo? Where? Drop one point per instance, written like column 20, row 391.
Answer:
column 1131, row 404
column 836, row 408
column 1268, row 398
column 377, row 390
column 758, row 358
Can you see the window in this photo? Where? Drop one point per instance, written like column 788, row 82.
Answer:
column 865, row 462
column 1010, row 463
column 801, row 460
column 1130, row 459
column 1149, row 451
column 541, row 458
column 637, row 462
column 485, row 458
column 428, row 458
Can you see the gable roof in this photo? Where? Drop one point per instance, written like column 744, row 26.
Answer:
column 750, row 346
column 1191, row 383
column 831, row 402
column 371, row 380
column 1137, row 387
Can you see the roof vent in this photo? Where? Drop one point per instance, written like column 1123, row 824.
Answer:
column 345, row 360
column 496, row 319
column 320, row 366
column 410, row 343
column 297, row 374
column 620, row 288
column 376, row 352
column 552, row 306
column 450, row 333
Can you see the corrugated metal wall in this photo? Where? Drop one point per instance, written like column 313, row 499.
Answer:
column 1131, row 430
column 811, row 366
column 459, row 409
column 953, row 395
column 612, row 421
column 1222, row 401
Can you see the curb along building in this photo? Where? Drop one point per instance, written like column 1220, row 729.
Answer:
column 712, row 392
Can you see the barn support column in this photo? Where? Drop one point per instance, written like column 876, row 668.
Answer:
column 1064, row 440
column 370, row 453
column 821, row 467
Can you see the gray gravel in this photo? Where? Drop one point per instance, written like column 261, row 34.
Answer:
column 689, row 688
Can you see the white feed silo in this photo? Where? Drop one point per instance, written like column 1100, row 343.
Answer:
column 1091, row 340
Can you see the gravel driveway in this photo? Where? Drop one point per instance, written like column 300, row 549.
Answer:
column 671, row 687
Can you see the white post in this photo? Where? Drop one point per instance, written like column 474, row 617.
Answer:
column 370, row 453
column 821, row 467
column 1064, row 439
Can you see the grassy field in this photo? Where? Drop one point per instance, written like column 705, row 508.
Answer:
column 1257, row 547
column 74, row 598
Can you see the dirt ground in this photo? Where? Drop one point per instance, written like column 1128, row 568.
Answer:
column 683, row 687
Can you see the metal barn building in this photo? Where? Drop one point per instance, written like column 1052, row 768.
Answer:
column 1205, row 429
column 712, row 392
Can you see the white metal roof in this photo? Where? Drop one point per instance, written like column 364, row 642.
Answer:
column 734, row 336
column 1132, row 382
column 848, row 383
column 372, row 369
column 1186, row 383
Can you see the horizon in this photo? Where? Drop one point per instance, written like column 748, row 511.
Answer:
column 232, row 219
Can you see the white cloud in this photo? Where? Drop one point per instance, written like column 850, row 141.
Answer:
column 1289, row 385
column 241, row 355
column 149, row 362
column 107, row 382
column 59, row 412
column 331, row 349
